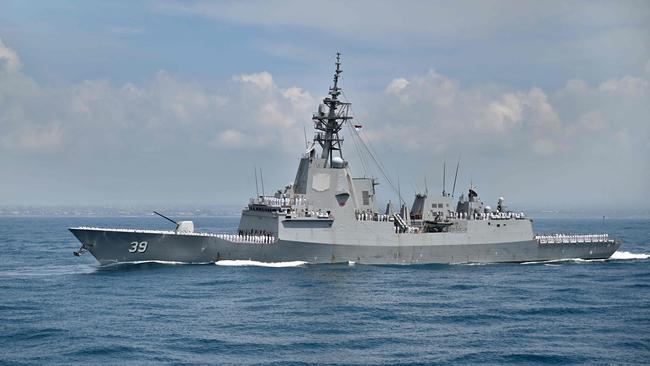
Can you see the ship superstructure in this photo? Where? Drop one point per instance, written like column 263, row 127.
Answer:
column 328, row 216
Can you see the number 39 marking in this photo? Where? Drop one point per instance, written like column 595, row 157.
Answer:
column 140, row 247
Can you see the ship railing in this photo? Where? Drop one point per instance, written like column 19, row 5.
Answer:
column 573, row 239
column 248, row 238
column 279, row 201
column 487, row 216
column 235, row 238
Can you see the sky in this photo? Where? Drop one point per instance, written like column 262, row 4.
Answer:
column 175, row 102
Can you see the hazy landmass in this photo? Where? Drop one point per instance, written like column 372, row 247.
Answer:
column 235, row 210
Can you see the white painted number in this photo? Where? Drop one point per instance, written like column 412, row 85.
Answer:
column 140, row 247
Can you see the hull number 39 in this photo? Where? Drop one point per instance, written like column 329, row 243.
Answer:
column 139, row 247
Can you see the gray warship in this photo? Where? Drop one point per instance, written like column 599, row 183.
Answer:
column 329, row 216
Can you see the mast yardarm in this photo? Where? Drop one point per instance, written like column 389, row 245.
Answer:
column 328, row 123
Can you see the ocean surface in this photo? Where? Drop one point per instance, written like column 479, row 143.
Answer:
column 59, row 309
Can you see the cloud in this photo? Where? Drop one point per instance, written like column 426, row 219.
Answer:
column 34, row 138
column 9, row 60
column 626, row 85
column 229, row 139
column 165, row 111
column 414, row 120
column 386, row 21
column 434, row 114
column 396, row 86
column 263, row 80
column 429, row 88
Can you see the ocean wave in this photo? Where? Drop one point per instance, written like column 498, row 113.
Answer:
column 241, row 263
column 45, row 271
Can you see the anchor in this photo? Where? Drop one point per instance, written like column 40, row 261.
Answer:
column 81, row 250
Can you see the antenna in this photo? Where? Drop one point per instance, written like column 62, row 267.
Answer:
column 399, row 191
column 257, row 189
column 444, row 178
column 304, row 131
column 262, row 181
column 426, row 187
column 165, row 217
column 453, row 190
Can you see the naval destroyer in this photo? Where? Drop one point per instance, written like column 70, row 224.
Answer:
column 329, row 216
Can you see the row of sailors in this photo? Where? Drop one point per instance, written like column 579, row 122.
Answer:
column 561, row 238
column 248, row 238
column 369, row 216
column 408, row 229
column 319, row 214
column 282, row 201
column 487, row 216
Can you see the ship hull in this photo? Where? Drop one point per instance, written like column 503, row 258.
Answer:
column 124, row 246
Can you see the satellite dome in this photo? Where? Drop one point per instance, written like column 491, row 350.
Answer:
column 338, row 162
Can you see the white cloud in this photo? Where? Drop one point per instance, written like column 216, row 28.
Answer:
column 9, row 60
column 229, row 139
column 34, row 138
column 434, row 114
column 429, row 88
column 626, row 85
column 416, row 119
column 299, row 98
column 397, row 85
column 262, row 80
column 165, row 111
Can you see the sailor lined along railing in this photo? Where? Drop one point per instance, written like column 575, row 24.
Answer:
column 248, row 239
column 369, row 216
column 235, row 238
column 487, row 216
column 373, row 216
column 573, row 239
column 280, row 201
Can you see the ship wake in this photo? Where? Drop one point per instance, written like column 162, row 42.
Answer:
column 250, row 263
column 617, row 256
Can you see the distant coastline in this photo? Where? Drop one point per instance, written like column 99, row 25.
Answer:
column 235, row 210
column 120, row 211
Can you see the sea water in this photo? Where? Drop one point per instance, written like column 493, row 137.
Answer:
column 59, row 309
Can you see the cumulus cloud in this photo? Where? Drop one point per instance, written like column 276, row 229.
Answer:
column 249, row 109
column 262, row 80
column 433, row 113
column 429, row 88
column 416, row 118
column 9, row 60
column 397, row 85
column 626, row 85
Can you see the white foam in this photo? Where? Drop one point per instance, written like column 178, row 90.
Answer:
column 618, row 255
column 565, row 260
column 239, row 263
column 151, row 261
column 351, row 263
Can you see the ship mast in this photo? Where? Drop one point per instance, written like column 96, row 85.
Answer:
column 328, row 124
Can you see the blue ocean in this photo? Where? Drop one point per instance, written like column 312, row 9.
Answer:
column 59, row 309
